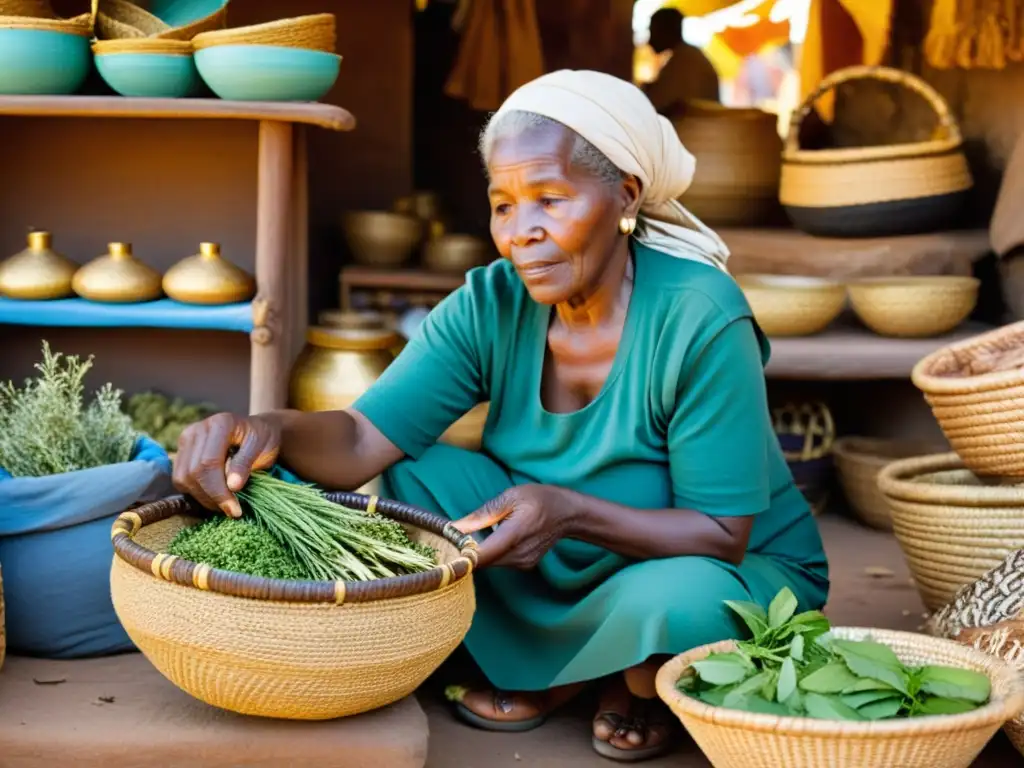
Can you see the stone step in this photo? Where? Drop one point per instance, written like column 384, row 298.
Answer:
column 119, row 712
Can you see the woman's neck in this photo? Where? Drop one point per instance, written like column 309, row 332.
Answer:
column 606, row 300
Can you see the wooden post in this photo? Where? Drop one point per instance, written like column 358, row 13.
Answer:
column 272, row 312
column 298, row 267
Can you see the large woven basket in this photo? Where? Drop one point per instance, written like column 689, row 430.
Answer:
column 881, row 191
column 317, row 32
column 858, row 461
column 951, row 525
column 736, row 739
column 302, row 650
column 976, row 392
column 1004, row 641
column 736, row 183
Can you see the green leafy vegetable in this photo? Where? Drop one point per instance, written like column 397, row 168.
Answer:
column 793, row 666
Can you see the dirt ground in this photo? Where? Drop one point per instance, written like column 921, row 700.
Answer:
column 870, row 587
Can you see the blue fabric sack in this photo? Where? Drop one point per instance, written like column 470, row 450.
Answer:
column 56, row 554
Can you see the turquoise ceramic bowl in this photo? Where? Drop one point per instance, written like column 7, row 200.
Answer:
column 35, row 62
column 156, row 75
column 267, row 73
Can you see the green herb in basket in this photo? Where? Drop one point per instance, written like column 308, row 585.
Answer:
column 241, row 546
column 332, row 541
column 793, row 666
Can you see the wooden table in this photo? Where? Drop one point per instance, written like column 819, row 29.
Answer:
column 277, row 315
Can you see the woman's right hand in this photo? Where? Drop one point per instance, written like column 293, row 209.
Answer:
column 203, row 469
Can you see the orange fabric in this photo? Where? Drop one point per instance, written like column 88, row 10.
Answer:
column 748, row 40
column 500, row 50
column 842, row 33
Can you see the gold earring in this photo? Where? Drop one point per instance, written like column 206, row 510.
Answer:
column 627, row 225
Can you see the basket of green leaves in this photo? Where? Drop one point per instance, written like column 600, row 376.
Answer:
column 311, row 606
column 802, row 694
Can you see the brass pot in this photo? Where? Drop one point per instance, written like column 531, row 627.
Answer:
column 117, row 277
column 208, row 278
column 455, row 253
column 382, row 238
column 37, row 273
column 337, row 365
column 363, row 320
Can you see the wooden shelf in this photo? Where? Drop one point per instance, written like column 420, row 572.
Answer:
column 850, row 352
column 789, row 251
column 164, row 313
column 322, row 115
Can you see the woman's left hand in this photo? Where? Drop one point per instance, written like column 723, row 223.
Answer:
column 530, row 519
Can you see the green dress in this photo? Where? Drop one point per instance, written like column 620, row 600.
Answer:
column 681, row 422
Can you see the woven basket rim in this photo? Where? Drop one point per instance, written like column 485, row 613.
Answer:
column 79, row 26
column 998, row 710
column 893, row 482
column 933, row 149
column 203, row 38
column 954, row 385
column 143, row 45
column 863, row 449
column 202, row 577
column 914, row 281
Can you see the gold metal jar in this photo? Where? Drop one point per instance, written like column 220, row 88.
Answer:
column 118, row 277
column 208, row 278
column 37, row 273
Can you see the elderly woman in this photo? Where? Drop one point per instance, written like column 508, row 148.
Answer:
column 630, row 480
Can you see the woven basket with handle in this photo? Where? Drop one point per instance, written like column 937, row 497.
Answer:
column 303, row 650
column 858, row 461
column 951, row 525
column 735, row 739
column 976, row 392
column 875, row 191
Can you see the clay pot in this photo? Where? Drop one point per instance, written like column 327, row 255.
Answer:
column 118, row 277
column 37, row 273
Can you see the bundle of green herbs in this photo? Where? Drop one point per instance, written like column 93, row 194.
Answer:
column 292, row 531
column 792, row 666
column 47, row 428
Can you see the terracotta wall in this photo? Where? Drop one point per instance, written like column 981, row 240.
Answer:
column 165, row 186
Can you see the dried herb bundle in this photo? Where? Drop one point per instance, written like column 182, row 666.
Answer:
column 793, row 667
column 241, row 546
column 46, row 428
column 332, row 541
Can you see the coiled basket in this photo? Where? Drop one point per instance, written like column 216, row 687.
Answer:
column 951, row 525
column 734, row 739
column 301, row 650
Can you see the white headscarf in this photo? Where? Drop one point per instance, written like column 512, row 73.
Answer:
column 618, row 118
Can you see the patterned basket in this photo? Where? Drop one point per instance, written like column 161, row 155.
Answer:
column 951, row 525
column 987, row 615
column 976, row 392
column 806, row 433
column 735, row 739
column 301, row 650
column 883, row 191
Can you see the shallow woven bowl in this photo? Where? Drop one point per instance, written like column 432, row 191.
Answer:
column 791, row 305
column 300, row 650
column 858, row 461
column 916, row 306
column 951, row 525
column 735, row 739
column 382, row 238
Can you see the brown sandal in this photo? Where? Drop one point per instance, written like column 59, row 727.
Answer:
column 638, row 721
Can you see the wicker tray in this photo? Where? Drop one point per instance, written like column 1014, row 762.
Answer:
column 882, row 191
column 976, row 392
column 951, row 525
column 735, row 739
column 303, row 650
column 858, row 461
